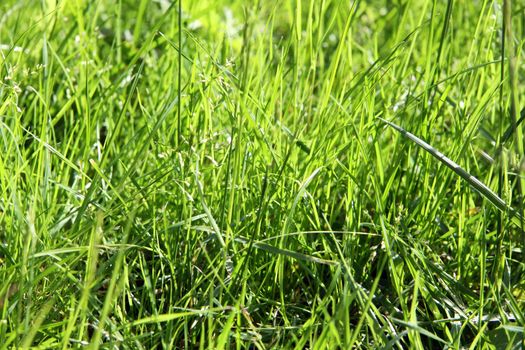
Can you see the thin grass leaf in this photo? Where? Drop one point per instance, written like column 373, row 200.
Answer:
column 289, row 253
column 417, row 328
column 206, row 209
column 515, row 329
column 510, row 130
column 175, row 315
column 479, row 186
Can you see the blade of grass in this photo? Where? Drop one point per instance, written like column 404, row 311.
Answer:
column 206, row 209
column 285, row 252
column 479, row 186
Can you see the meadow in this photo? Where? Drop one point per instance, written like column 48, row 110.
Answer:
column 290, row 174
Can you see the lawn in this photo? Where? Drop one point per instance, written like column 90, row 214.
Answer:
column 290, row 174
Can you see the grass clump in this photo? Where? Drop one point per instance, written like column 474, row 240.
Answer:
column 218, row 174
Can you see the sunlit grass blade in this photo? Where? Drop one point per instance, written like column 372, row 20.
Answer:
column 286, row 252
column 479, row 186
column 207, row 210
column 175, row 315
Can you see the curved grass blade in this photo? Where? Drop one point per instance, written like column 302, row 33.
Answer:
column 479, row 186
column 281, row 251
column 206, row 209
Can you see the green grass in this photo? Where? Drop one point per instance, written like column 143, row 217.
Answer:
column 271, row 174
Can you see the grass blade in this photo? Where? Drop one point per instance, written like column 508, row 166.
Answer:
column 475, row 183
column 286, row 252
